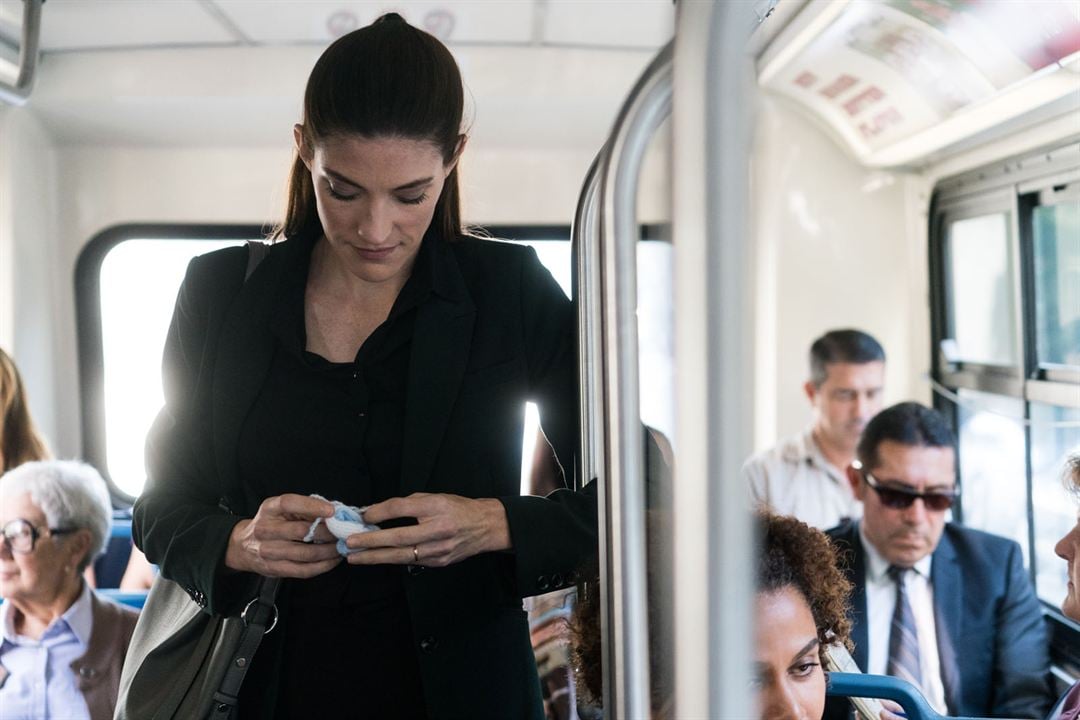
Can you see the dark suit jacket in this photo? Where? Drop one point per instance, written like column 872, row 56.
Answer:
column 992, row 641
column 500, row 334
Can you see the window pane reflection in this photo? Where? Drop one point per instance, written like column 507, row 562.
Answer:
column 1056, row 230
column 980, row 267
column 1055, row 509
column 992, row 467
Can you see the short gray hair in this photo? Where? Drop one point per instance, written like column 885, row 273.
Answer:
column 1071, row 475
column 71, row 494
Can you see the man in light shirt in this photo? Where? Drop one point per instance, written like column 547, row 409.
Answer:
column 948, row 608
column 804, row 475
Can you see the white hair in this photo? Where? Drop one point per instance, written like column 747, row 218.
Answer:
column 71, row 494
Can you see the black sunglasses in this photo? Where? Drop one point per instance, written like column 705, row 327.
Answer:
column 899, row 499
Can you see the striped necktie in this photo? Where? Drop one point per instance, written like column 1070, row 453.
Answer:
column 903, row 637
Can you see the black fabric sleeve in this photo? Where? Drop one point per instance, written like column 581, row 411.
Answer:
column 554, row 536
column 178, row 521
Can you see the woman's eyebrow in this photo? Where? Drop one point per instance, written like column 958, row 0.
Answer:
column 414, row 184
column 806, row 648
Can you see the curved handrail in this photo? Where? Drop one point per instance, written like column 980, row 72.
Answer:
column 624, row 603
column 887, row 688
column 16, row 91
column 586, row 249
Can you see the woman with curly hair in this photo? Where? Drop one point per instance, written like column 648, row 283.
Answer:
column 800, row 607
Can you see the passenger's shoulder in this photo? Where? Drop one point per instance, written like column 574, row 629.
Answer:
column 789, row 450
column 965, row 538
column 472, row 250
column 108, row 610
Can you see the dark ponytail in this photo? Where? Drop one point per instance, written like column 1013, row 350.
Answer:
column 388, row 79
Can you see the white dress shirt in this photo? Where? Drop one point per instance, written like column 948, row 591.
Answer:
column 794, row 478
column 40, row 683
column 880, row 605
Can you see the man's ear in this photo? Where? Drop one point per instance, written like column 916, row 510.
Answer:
column 302, row 147
column 811, row 390
column 854, row 478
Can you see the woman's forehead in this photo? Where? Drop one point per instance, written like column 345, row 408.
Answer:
column 19, row 505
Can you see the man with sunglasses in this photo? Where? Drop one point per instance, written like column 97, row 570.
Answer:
column 948, row 608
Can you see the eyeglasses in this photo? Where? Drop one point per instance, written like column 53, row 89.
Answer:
column 21, row 537
column 899, row 499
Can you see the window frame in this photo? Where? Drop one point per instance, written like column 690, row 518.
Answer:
column 1017, row 185
column 88, row 306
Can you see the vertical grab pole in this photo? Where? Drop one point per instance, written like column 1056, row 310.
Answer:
column 624, row 603
column 16, row 90
column 713, row 588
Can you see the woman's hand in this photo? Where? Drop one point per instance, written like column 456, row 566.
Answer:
column 892, row 711
column 449, row 529
column 272, row 544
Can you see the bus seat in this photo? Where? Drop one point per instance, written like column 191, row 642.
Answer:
column 887, row 688
column 132, row 598
column 109, row 568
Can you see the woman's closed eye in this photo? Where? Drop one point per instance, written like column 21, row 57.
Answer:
column 337, row 195
column 803, row 667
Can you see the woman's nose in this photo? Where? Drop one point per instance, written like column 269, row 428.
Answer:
column 783, row 704
column 374, row 223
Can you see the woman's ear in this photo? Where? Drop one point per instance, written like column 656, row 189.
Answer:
column 303, row 149
column 462, row 142
column 78, row 545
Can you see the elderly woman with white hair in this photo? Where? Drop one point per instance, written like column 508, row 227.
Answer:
column 62, row 645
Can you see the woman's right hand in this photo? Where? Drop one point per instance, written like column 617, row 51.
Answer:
column 271, row 543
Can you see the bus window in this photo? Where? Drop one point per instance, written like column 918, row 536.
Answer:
column 1005, row 246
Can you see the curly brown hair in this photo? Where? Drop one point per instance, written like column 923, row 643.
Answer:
column 793, row 554
column 790, row 554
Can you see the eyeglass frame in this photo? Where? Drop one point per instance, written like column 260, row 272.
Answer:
column 35, row 534
column 930, row 499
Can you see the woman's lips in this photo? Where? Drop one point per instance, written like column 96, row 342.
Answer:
column 375, row 254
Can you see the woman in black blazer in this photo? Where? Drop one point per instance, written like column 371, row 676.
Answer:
column 380, row 357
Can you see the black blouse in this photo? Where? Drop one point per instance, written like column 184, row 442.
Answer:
column 336, row 429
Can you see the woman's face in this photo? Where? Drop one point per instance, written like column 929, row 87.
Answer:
column 41, row 574
column 790, row 680
column 376, row 198
column 1068, row 549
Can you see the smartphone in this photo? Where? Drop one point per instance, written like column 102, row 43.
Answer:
column 838, row 659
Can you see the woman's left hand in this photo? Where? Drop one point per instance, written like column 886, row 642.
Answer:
column 449, row 529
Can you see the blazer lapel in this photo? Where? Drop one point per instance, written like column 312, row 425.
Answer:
column 245, row 351
column 948, row 584
column 857, row 576
column 440, row 352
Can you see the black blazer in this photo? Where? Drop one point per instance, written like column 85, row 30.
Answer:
column 501, row 333
column 992, row 641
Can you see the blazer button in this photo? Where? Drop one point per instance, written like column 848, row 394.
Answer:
column 429, row 644
column 556, row 580
column 86, row 672
column 414, row 569
column 543, row 583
